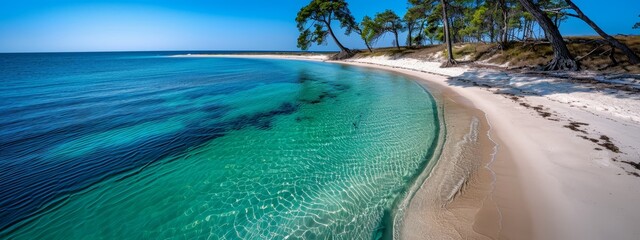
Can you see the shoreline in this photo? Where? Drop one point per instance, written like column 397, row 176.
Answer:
column 564, row 165
column 553, row 180
column 455, row 199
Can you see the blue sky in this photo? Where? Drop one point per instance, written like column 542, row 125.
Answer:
column 75, row 25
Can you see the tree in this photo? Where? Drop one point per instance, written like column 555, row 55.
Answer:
column 369, row 31
column 637, row 25
column 390, row 22
column 504, row 9
column 633, row 58
column 434, row 30
column 477, row 21
column 411, row 20
column 447, row 34
column 562, row 58
column 321, row 13
column 428, row 21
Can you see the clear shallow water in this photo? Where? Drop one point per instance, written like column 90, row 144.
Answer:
column 139, row 145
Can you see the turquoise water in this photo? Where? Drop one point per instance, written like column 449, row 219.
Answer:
column 146, row 146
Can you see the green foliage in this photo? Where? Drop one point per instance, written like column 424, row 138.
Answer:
column 426, row 16
column 389, row 21
column 477, row 22
column 433, row 31
column 557, row 18
column 414, row 14
column 470, row 20
column 318, row 15
column 413, row 18
column 370, row 30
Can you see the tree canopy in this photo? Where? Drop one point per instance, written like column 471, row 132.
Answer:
column 370, row 31
column 414, row 18
column 314, row 22
column 505, row 22
column 390, row 22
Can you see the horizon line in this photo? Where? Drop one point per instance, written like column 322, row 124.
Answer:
column 133, row 51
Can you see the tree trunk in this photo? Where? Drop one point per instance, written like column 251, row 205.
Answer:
column 409, row 36
column 421, row 32
column 504, row 39
column 366, row 43
column 562, row 59
column 395, row 32
column 342, row 48
column 447, row 35
column 612, row 56
column 491, row 31
column 633, row 58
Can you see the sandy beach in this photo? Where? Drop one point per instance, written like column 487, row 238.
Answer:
column 526, row 157
column 564, row 162
column 320, row 119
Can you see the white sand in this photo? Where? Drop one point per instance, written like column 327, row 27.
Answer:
column 573, row 191
column 312, row 57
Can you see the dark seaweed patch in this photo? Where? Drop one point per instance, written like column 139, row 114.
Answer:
column 575, row 126
column 303, row 77
column 608, row 144
column 606, row 141
column 634, row 165
column 263, row 120
column 340, row 87
column 539, row 109
column 45, row 188
column 304, row 118
column 321, row 98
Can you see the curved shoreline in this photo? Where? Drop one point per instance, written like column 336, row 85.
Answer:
column 565, row 164
column 553, row 180
column 457, row 116
column 454, row 200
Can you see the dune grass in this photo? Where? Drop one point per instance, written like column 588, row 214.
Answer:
column 592, row 51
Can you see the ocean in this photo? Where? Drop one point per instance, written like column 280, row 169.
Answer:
column 149, row 145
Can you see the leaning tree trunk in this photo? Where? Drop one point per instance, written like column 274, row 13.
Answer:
column 344, row 52
column 447, row 35
column 366, row 43
column 342, row 48
column 395, row 32
column 562, row 59
column 633, row 58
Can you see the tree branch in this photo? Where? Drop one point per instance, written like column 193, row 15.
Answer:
column 588, row 54
column 559, row 11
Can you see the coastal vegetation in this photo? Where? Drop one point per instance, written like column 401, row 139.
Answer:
column 495, row 25
column 322, row 13
column 389, row 22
